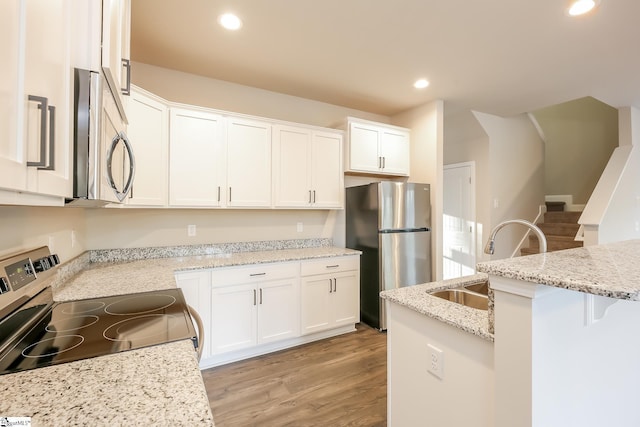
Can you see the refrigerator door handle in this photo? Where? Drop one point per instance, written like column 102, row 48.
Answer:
column 405, row 230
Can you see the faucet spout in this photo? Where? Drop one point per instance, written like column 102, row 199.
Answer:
column 490, row 246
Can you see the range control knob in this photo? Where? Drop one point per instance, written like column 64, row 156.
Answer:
column 4, row 285
column 54, row 259
column 42, row 264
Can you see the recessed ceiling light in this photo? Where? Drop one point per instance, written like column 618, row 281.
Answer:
column 421, row 84
column 230, row 21
column 580, row 7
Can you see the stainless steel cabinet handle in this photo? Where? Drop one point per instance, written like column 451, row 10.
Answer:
column 52, row 139
column 43, row 104
column 384, row 162
column 229, row 194
column 333, row 266
column 127, row 65
column 309, row 196
column 314, row 196
column 260, row 296
column 335, row 285
column 379, row 162
column 218, row 193
column 330, row 286
column 257, row 274
column 254, row 297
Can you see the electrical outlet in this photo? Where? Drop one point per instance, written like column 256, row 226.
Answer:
column 299, row 227
column 191, row 230
column 436, row 361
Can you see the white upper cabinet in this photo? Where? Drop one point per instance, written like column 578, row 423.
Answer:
column 307, row 167
column 116, row 33
column 148, row 132
column 196, row 159
column 37, row 93
column 248, row 163
column 377, row 148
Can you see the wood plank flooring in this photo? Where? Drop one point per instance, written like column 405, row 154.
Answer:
column 340, row 381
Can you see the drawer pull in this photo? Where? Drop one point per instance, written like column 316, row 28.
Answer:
column 257, row 274
column 333, row 266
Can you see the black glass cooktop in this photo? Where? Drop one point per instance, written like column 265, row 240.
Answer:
column 81, row 329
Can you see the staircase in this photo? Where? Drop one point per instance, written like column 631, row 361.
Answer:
column 559, row 227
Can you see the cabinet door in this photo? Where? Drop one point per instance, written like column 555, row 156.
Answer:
column 196, row 159
column 291, row 166
column 327, row 177
column 233, row 317
column 346, row 299
column 148, row 132
column 394, row 150
column 248, row 163
column 196, row 287
column 48, row 76
column 363, row 148
column 278, row 309
column 315, row 308
column 115, row 48
column 13, row 172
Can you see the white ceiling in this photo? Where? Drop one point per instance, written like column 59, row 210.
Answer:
column 497, row 56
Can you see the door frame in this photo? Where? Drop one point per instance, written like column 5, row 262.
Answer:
column 471, row 165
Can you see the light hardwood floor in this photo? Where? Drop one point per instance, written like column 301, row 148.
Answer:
column 340, row 381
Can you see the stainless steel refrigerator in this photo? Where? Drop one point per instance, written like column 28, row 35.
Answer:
column 390, row 222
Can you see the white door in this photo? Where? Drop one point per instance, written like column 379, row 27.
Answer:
column 327, row 180
column 234, row 317
column 316, row 303
column 394, row 151
column 346, row 301
column 196, row 158
column 291, row 158
column 278, row 309
column 459, row 255
column 248, row 163
column 148, row 132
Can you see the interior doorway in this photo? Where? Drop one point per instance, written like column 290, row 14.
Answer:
column 459, row 253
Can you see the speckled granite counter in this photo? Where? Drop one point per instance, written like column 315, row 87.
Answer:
column 158, row 385
column 418, row 299
column 154, row 386
column 610, row 270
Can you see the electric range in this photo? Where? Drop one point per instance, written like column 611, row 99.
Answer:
column 36, row 332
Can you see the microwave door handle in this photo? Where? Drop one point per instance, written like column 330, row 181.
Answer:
column 120, row 195
column 132, row 165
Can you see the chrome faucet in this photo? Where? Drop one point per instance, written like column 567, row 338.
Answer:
column 489, row 248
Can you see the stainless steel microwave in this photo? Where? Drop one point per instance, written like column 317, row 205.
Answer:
column 103, row 165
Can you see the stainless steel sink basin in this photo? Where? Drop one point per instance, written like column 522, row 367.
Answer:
column 464, row 297
column 480, row 288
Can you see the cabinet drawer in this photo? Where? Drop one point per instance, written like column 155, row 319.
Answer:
column 328, row 265
column 253, row 273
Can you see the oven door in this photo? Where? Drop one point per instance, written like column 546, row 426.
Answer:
column 118, row 163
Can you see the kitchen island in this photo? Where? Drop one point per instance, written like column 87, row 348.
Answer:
column 158, row 385
column 564, row 351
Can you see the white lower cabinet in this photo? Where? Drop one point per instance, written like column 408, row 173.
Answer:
column 253, row 305
column 255, row 309
column 330, row 293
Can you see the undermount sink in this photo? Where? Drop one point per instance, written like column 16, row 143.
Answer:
column 474, row 296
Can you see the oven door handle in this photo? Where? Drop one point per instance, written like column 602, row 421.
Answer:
column 198, row 320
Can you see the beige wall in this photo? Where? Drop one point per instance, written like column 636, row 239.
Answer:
column 28, row 227
column 516, row 171
column 580, row 136
column 426, row 124
column 186, row 88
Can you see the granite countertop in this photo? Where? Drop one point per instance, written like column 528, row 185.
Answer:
column 158, row 385
column 417, row 298
column 610, row 270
